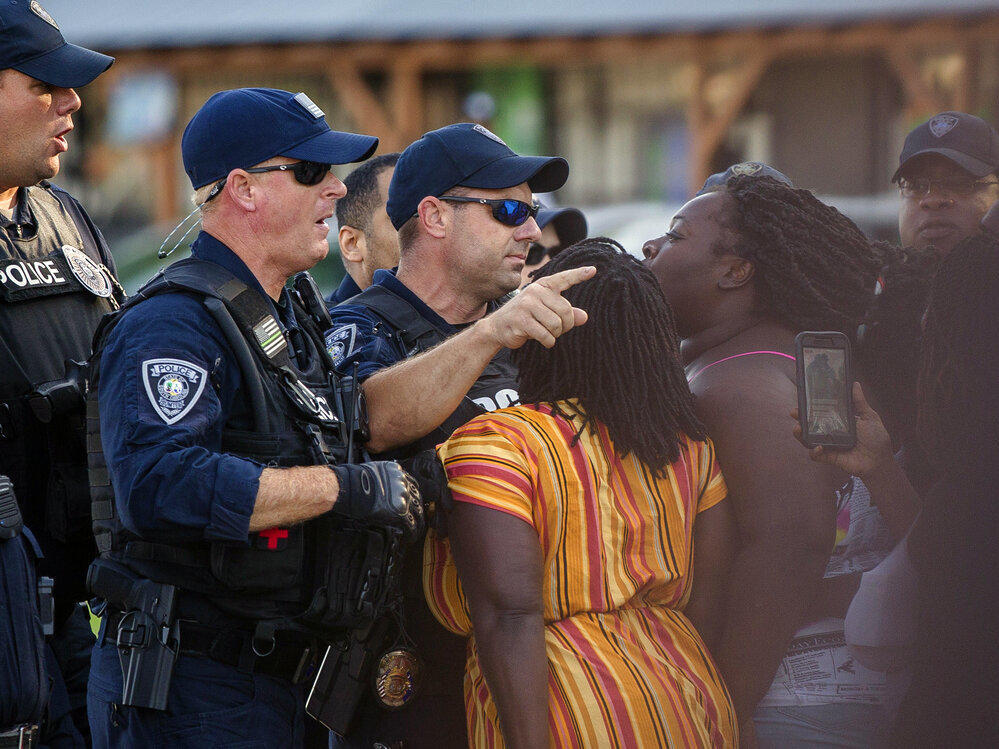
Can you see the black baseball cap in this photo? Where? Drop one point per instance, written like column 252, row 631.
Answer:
column 751, row 168
column 465, row 155
column 239, row 128
column 569, row 223
column 968, row 141
column 31, row 43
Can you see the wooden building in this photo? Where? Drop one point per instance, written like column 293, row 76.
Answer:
column 645, row 98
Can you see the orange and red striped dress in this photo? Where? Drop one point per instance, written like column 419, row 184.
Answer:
column 626, row 667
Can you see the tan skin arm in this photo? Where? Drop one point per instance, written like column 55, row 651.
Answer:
column 409, row 399
column 784, row 505
column 500, row 563
column 287, row 496
column 715, row 540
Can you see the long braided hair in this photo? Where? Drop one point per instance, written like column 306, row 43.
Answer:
column 623, row 366
column 813, row 268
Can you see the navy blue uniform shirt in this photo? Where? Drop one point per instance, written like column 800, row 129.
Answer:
column 169, row 474
column 348, row 287
column 358, row 335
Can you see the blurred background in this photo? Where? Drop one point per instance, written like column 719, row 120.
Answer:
column 645, row 98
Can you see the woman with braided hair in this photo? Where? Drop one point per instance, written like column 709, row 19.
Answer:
column 745, row 268
column 577, row 522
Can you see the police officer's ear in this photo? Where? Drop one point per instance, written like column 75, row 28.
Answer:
column 435, row 215
column 738, row 273
column 241, row 189
column 353, row 244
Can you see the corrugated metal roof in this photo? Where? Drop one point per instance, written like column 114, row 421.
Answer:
column 120, row 24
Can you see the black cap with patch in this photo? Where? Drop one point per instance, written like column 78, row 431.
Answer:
column 968, row 141
column 30, row 42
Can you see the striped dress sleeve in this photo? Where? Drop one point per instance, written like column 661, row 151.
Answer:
column 711, row 488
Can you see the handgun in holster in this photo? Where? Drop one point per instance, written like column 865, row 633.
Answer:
column 148, row 636
column 344, row 674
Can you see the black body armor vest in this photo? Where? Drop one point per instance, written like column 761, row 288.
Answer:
column 292, row 421
column 495, row 388
column 54, row 288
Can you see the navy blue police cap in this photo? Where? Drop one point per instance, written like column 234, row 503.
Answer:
column 968, row 141
column 465, row 155
column 242, row 127
column 30, row 42
column 569, row 223
column 751, row 168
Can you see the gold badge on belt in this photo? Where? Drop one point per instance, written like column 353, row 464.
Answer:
column 397, row 678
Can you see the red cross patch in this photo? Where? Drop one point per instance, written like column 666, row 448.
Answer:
column 272, row 539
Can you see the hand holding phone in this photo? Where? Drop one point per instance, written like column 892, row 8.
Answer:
column 825, row 381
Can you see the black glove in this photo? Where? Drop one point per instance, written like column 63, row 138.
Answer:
column 380, row 492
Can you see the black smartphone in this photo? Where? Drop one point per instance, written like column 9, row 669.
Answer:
column 825, row 389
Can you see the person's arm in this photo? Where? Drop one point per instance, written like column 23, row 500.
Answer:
column 409, row 399
column 784, row 505
column 873, row 461
column 499, row 561
column 715, row 540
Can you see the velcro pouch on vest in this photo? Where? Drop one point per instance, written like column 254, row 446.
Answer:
column 355, row 573
column 263, row 567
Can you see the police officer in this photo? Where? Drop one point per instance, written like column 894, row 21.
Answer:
column 462, row 202
column 217, row 420
column 368, row 241
column 56, row 281
column 948, row 177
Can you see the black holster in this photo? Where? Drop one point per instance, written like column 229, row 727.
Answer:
column 148, row 636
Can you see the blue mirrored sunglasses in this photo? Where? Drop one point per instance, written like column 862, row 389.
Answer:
column 506, row 210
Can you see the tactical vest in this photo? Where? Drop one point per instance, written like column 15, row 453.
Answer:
column 291, row 422
column 54, row 288
column 495, row 388
column 439, row 697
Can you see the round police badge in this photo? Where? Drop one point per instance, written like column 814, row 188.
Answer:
column 93, row 277
column 397, row 678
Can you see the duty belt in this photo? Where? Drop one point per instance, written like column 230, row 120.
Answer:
column 22, row 737
column 292, row 660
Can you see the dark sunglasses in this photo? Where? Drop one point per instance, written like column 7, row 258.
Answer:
column 537, row 252
column 506, row 210
column 308, row 173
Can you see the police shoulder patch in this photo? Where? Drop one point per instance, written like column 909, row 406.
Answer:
column 173, row 386
column 340, row 343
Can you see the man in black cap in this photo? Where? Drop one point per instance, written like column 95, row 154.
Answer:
column 560, row 228
column 431, row 344
column 56, row 281
column 217, row 449
column 947, row 176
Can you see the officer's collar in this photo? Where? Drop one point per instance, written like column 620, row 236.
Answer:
column 21, row 216
column 388, row 279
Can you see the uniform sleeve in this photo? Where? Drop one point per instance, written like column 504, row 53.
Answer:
column 357, row 338
column 711, row 484
column 167, row 385
column 487, row 465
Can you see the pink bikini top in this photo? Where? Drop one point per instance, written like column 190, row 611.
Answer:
column 736, row 356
